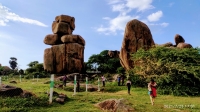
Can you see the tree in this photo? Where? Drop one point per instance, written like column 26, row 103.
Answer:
column 6, row 70
column 177, row 70
column 33, row 63
column 36, row 68
column 1, row 69
column 21, row 71
column 13, row 62
column 103, row 62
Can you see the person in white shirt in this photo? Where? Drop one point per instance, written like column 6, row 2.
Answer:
column 103, row 80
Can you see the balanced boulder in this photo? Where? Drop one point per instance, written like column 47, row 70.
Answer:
column 179, row 39
column 184, row 45
column 73, row 39
column 137, row 35
column 66, row 19
column 61, row 28
column 67, row 53
column 52, row 39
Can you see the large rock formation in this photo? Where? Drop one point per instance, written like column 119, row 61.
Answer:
column 179, row 43
column 179, row 39
column 137, row 35
column 67, row 52
column 113, row 54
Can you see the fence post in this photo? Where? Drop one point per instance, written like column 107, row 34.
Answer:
column 74, row 84
column 86, row 83
column 33, row 77
column 98, row 85
column 51, row 88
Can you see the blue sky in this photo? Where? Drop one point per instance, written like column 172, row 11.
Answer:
column 25, row 23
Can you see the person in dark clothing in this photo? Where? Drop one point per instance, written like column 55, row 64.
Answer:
column 119, row 80
column 122, row 78
column 128, row 84
column 64, row 80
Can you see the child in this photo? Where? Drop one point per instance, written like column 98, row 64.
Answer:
column 152, row 90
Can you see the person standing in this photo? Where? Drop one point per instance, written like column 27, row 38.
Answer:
column 103, row 80
column 64, row 80
column 128, row 84
column 152, row 90
column 122, row 78
column 118, row 80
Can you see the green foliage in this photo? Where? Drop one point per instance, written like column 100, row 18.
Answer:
column 13, row 62
column 177, row 70
column 21, row 71
column 120, row 70
column 84, row 101
column 18, row 104
column 136, row 80
column 5, row 70
column 103, row 63
column 35, row 69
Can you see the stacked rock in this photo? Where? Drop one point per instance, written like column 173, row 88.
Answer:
column 67, row 52
column 180, row 42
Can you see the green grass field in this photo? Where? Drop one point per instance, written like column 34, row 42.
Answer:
column 84, row 101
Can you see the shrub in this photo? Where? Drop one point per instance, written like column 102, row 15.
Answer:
column 177, row 71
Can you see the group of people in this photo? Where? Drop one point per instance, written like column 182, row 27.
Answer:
column 151, row 89
column 151, row 86
column 120, row 80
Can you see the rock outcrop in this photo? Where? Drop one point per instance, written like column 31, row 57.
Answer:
column 168, row 44
column 113, row 54
column 179, row 43
column 67, row 52
column 179, row 39
column 114, row 105
column 137, row 35
column 184, row 45
column 10, row 91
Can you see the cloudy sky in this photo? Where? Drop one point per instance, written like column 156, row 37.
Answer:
column 25, row 23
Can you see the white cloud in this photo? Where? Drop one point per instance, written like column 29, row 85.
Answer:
column 171, row 4
column 117, row 23
column 6, row 16
column 164, row 24
column 115, row 1
column 106, row 18
column 159, row 24
column 155, row 16
column 118, row 7
column 124, row 7
column 140, row 5
column 2, row 23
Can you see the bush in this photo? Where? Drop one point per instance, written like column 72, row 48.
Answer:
column 177, row 71
column 18, row 104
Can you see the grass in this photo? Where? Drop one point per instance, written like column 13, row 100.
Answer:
column 84, row 101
